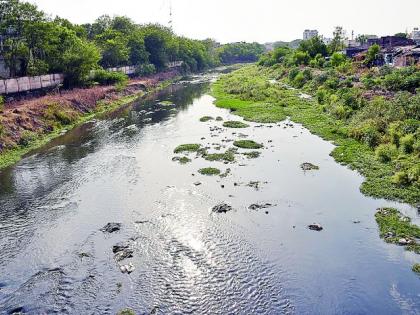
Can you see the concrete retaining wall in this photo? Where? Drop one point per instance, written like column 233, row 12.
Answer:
column 25, row 84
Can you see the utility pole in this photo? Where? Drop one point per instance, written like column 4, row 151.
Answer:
column 170, row 16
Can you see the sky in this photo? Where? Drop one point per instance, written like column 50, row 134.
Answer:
column 250, row 20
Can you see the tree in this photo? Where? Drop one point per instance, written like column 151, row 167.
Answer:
column 372, row 55
column 313, row 47
column 78, row 61
column 337, row 43
column 402, row 35
column 114, row 48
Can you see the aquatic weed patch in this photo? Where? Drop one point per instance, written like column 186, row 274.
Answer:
column 228, row 156
column 252, row 155
column 235, row 124
column 181, row 160
column 398, row 229
column 206, row 118
column 209, row 171
column 190, row 147
column 247, row 144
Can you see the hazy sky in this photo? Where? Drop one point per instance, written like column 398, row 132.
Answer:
column 250, row 20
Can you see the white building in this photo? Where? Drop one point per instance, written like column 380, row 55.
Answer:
column 415, row 35
column 308, row 34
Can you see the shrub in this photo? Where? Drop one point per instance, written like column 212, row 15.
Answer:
column 293, row 73
column 407, row 143
column 407, row 79
column 300, row 80
column 400, row 178
column 145, row 69
column 26, row 138
column 321, row 95
column 337, row 59
column 367, row 132
column 1, row 102
column 385, row 152
column 104, row 77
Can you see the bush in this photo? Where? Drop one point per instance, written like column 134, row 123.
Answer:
column 300, row 80
column 104, row 77
column 145, row 69
column 1, row 102
column 400, row 179
column 407, row 143
column 385, row 152
column 367, row 132
column 407, row 79
column 321, row 95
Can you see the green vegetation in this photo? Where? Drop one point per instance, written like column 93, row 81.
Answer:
column 210, row 171
column 247, row 144
column 379, row 137
column 416, row 268
column 182, row 160
column 397, row 229
column 240, row 52
column 193, row 147
column 235, row 124
column 228, row 156
column 126, row 311
column 206, row 118
column 252, row 154
column 104, row 77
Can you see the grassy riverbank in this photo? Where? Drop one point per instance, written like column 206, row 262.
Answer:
column 57, row 119
column 251, row 93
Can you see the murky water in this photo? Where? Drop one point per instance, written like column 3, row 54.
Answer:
column 55, row 259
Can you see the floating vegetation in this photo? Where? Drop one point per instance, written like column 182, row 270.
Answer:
column 228, row 156
column 126, row 312
column 398, row 229
column 252, row 155
column 235, row 124
column 191, row 147
column 210, row 171
column 166, row 103
column 181, row 160
column 416, row 268
column 226, row 173
column 206, row 118
column 247, row 144
column 218, row 118
column 309, row 166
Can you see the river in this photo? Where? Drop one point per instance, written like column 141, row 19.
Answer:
column 54, row 258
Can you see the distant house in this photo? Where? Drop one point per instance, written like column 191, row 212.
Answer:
column 391, row 41
column 406, row 56
column 308, row 34
column 415, row 35
column 350, row 52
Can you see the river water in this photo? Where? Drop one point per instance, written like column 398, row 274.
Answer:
column 54, row 258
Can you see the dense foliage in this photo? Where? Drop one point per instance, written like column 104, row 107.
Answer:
column 35, row 44
column 240, row 52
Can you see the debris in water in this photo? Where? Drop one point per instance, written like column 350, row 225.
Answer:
column 111, row 227
column 315, row 227
column 222, row 208
column 127, row 268
column 308, row 166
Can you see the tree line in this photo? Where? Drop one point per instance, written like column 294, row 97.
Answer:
column 32, row 43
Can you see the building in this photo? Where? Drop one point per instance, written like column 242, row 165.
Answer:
column 308, row 34
column 415, row 35
column 391, row 41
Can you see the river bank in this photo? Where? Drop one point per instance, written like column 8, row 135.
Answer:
column 254, row 94
column 28, row 124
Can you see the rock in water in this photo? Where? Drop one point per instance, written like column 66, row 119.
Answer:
column 222, row 208
column 111, row 227
column 127, row 268
column 315, row 227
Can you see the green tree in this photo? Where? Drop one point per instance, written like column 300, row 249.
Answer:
column 372, row 55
